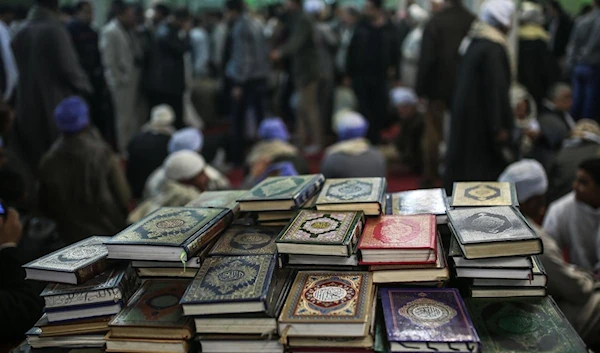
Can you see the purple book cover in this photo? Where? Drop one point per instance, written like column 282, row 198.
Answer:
column 427, row 316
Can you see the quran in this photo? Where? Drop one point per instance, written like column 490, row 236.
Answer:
column 281, row 193
column 241, row 240
column 419, row 202
column 419, row 320
column 493, row 232
column 73, row 264
column 353, row 194
column 224, row 285
column 523, row 325
column 535, row 286
column 494, row 262
column 339, row 304
column 321, row 233
column 219, row 199
column 484, row 194
column 399, row 239
column 240, row 343
column 169, row 234
column 43, row 328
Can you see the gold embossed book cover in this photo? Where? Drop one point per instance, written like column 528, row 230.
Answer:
column 353, row 194
column 482, row 194
column 281, row 193
column 246, row 240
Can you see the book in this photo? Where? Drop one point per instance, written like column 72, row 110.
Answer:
column 281, row 193
column 484, row 194
column 324, row 342
column 169, row 234
column 506, row 292
column 494, row 262
column 154, row 312
column 493, row 232
column 494, row 273
column 523, row 325
column 399, row 239
column 336, row 303
column 275, row 216
column 44, row 328
column 193, row 262
column 145, row 345
column 69, row 341
column 418, row 202
column 426, row 320
column 219, row 199
column 235, row 284
column 83, row 311
column 321, row 233
column 167, row 272
column 321, row 260
column 240, row 344
column 114, row 285
column 539, row 279
column 243, row 240
column 73, row 264
column 353, row 194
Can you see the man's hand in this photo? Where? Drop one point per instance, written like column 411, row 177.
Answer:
column 11, row 229
column 237, row 93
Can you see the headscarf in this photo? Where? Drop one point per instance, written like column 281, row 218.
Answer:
column 184, row 165
column 189, row 138
column 161, row 120
column 495, row 12
column 349, row 125
column 529, row 177
column 403, row 96
column 72, row 115
column 273, row 129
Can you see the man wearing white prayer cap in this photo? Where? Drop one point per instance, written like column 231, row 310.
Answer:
column 188, row 168
column 409, row 143
column 573, row 289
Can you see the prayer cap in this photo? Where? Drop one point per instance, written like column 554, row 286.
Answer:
column 162, row 115
column 529, row 177
column 72, row 115
column 531, row 13
column 403, row 96
column 586, row 129
column 314, row 6
column 273, row 129
column 349, row 125
column 188, row 138
column 184, row 165
column 497, row 11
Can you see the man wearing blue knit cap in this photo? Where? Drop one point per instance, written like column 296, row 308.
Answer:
column 82, row 186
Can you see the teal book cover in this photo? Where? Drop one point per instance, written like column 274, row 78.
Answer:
column 284, row 188
column 353, row 190
column 243, row 240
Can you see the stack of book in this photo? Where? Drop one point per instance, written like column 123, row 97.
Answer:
column 276, row 200
column 354, row 194
column 404, row 250
column 152, row 321
column 421, row 202
column 170, row 242
column 82, row 298
column 319, row 239
column 219, row 199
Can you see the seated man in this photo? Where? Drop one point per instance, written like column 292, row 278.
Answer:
column 573, row 220
column 527, row 128
column 412, row 124
column 574, row 289
column 353, row 156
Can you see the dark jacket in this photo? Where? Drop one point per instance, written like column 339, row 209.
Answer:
column 146, row 152
column 555, row 128
column 560, row 32
column 538, row 69
column 166, row 71
column 301, row 48
column 85, row 41
column 438, row 63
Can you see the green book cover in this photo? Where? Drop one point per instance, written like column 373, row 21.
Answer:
column 243, row 240
column 284, row 188
column 353, row 190
column 512, row 325
column 321, row 227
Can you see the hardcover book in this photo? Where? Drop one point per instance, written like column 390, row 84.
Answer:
column 493, row 232
column 169, row 234
column 73, row 264
column 219, row 199
column 321, row 233
column 281, row 193
column 43, row 328
column 353, row 194
column 399, row 239
column 539, row 279
column 419, row 202
column 484, row 194
column 523, row 325
column 117, row 284
column 494, row 262
column 239, row 241
column 336, row 303
column 154, row 312
column 236, row 284
column 428, row 320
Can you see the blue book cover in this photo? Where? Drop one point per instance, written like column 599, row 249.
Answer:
column 430, row 319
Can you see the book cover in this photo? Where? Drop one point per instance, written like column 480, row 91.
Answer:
column 285, row 188
column 511, row 325
column 427, row 316
column 353, row 190
column 335, row 297
column 240, row 240
column 231, row 279
column 489, row 224
column 400, row 232
column 482, row 194
column 218, row 199
column 325, row 228
column 415, row 202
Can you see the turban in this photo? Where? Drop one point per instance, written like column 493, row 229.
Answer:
column 529, row 177
column 403, row 96
column 273, row 129
column 72, row 115
column 184, row 165
column 531, row 13
column 314, row 6
column 497, row 11
column 189, row 138
column 349, row 125
column 417, row 13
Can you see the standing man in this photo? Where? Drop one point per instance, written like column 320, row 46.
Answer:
column 121, row 60
column 482, row 119
column 373, row 57
column 247, row 69
column 49, row 72
column 436, row 77
column 9, row 74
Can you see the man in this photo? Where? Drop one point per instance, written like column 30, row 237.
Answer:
column 301, row 48
column 349, row 20
column 161, row 13
column 49, row 72
column 82, row 186
column 373, row 57
column 583, row 144
column 560, row 29
column 573, row 220
column 436, row 76
column 200, row 50
column 166, row 71
column 410, row 140
column 120, row 57
column 583, row 58
column 482, row 120
column 9, row 74
column 247, row 69
column 573, row 288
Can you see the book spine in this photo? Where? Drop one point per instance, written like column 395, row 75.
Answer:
column 205, row 235
column 310, row 190
column 359, row 224
column 90, row 271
